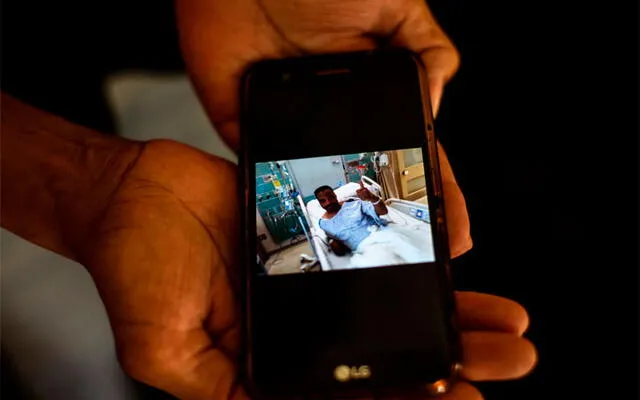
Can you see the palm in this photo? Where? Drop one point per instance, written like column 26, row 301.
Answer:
column 160, row 261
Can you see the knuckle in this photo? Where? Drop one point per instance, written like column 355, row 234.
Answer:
column 149, row 363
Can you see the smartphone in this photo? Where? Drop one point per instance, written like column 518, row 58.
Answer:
column 346, row 282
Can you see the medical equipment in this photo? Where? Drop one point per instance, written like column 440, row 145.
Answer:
column 385, row 176
column 275, row 200
column 383, row 160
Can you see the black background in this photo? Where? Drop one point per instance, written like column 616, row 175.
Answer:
column 540, row 124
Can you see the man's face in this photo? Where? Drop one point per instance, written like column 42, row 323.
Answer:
column 328, row 200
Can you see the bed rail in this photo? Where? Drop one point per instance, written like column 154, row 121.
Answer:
column 303, row 208
column 311, row 236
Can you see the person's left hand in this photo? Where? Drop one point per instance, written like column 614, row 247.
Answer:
column 365, row 195
column 164, row 257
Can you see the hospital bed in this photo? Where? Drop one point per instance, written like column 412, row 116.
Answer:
column 403, row 212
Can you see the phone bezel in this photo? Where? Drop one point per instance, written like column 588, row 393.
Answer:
column 435, row 193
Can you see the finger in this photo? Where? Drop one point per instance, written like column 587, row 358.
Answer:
column 493, row 356
column 421, row 33
column 480, row 311
column 435, row 86
column 229, row 342
column 220, row 39
column 462, row 390
column 458, row 226
column 183, row 364
column 361, row 184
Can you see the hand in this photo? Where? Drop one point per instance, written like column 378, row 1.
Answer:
column 338, row 247
column 163, row 257
column 365, row 195
column 221, row 38
column 164, row 261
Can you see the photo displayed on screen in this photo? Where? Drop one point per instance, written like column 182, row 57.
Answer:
column 341, row 212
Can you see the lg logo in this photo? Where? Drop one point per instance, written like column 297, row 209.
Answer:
column 344, row 373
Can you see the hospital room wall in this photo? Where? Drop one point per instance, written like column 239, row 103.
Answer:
column 351, row 162
column 358, row 164
column 410, row 187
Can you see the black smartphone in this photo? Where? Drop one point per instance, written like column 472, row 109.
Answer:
column 346, row 283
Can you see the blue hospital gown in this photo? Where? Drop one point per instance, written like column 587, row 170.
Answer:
column 352, row 223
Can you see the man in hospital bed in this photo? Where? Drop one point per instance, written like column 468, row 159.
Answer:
column 373, row 241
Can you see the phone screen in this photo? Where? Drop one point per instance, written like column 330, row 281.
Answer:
column 343, row 211
column 347, row 225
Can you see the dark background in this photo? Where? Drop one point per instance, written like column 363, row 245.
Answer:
column 540, row 124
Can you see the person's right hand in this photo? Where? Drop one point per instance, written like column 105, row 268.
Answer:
column 164, row 259
column 338, row 247
column 364, row 194
column 220, row 39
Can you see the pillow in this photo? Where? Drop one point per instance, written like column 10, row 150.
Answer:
column 315, row 211
column 344, row 192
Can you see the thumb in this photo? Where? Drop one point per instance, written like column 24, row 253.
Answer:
column 361, row 184
column 187, row 366
column 421, row 33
